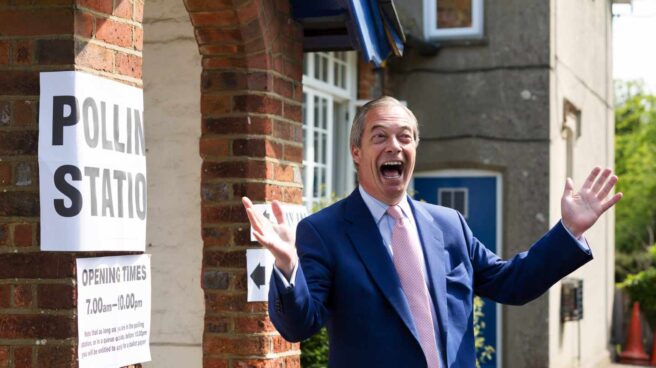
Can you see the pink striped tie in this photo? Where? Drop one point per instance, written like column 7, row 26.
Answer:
column 407, row 261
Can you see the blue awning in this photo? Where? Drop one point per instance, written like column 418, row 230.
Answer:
column 370, row 26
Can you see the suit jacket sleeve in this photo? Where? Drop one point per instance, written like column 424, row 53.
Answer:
column 300, row 311
column 528, row 274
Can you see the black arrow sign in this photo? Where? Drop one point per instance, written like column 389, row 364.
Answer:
column 266, row 214
column 258, row 275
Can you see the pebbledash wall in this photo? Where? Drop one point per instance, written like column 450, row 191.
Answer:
column 247, row 132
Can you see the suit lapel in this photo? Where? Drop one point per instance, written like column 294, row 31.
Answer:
column 433, row 245
column 367, row 241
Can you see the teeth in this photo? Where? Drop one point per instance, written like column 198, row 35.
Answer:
column 392, row 163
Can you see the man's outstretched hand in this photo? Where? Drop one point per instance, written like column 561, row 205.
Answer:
column 581, row 210
column 276, row 237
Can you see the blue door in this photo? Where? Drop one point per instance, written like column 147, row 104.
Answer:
column 475, row 197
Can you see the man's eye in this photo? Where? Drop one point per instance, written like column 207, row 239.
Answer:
column 378, row 137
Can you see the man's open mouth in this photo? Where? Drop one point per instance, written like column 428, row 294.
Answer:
column 392, row 169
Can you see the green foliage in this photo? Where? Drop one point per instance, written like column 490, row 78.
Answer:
column 641, row 288
column 635, row 165
column 484, row 353
column 314, row 351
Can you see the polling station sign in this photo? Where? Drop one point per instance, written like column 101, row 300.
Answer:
column 92, row 164
column 113, row 311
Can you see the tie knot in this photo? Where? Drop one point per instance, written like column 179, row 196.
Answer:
column 395, row 212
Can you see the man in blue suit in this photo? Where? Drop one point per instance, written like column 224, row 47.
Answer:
column 350, row 266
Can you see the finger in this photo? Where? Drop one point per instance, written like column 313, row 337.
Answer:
column 277, row 212
column 569, row 187
column 262, row 239
column 608, row 187
column 590, row 180
column 256, row 221
column 246, row 202
column 611, row 202
column 601, row 180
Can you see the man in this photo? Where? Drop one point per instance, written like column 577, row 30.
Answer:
column 392, row 278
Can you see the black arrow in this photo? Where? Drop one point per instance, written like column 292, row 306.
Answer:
column 258, row 275
column 266, row 214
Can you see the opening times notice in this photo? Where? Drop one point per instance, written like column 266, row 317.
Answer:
column 113, row 311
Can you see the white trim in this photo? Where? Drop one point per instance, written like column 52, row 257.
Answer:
column 453, row 190
column 499, row 228
column 432, row 33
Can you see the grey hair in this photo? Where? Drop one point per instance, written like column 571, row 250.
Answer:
column 357, row 129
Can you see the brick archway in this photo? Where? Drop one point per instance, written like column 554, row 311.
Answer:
column 251, row 94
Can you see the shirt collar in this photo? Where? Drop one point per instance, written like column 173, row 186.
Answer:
column 378, row 209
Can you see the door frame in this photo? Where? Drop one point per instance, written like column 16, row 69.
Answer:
column 474, row 173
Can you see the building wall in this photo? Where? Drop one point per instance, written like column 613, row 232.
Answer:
column 172, row 68
column 581, row 74
column 497, row 104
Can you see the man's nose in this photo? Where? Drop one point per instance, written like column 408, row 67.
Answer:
column 393, row 145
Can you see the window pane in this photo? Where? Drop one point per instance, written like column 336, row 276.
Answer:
column 324, row 113
column 306, row 60
column 324, row 147
column 459, row 201
column 317, row 65
column 324, row 69
column 317, row 117
column 317, row 182
column 454, row 13
column 445, row 198
column 316, row 147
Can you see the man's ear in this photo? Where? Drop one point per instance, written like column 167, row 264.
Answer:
column 355, row 153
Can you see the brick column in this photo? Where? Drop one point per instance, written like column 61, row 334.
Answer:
column 251, row 144
column 38, row 326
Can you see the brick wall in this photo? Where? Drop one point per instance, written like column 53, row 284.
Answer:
column 251, row 144
column 37, row 289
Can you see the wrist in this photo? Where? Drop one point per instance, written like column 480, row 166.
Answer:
column 286, row 266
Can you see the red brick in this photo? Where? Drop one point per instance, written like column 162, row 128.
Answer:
column 216, row 236
column 23, row 357
column 50, row 52
column 259, row 363
column 225, row 259
column 281, row 345
column 234, row 169
column 293, row 153
column 23, row 235
column 238, row 125
column 223, row 214
column 283, row 87
column 256, row 148
column 221, row 62
column 57, row 356
column 207, row 5
column 22, row 296
column 138, row 39
column 216, row 192
column 214, row 147
column 215, row 302
column 130, row 65
column 34, row 22
column 252, row 345
column 258, row 191
column 259, row 61
column 19, row 142
column 24, row 204
column 94, row 56
column 222, row 81
column 5, row 174
column 284, row 172
column 4, row 52
column 23, row 52
column 210, row 362
column 293, row 112
column 30, row 326
column 16, row 82
column 84, row 24
column 253, row 324
column 242, row 235
column 4, row 356
column 24, row 112
column 293, row 195
column 215, row 105
column 5, row 296
column 258, row 103
column 256, row 45
column 36, row 265
column 288, row 131
column 123, row 9
column 103, row 6
column 219, row 36
column 113, row 32
column 55, row 296
column 219, row 18
column 137, row 16
column 248, row 11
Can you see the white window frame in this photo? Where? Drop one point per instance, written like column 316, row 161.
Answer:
column 433, row 33
column 453, row 190
column 339, row 171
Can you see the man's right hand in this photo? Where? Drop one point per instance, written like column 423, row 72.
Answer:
column 277, row 238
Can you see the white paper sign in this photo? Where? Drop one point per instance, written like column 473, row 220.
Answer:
column 259, row 265
column 92, row 164
column 293, row 214
column 113, row 311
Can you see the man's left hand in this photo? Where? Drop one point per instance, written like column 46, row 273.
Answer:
column 582, row 209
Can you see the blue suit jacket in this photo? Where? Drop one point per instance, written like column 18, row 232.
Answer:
column 347, row 281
